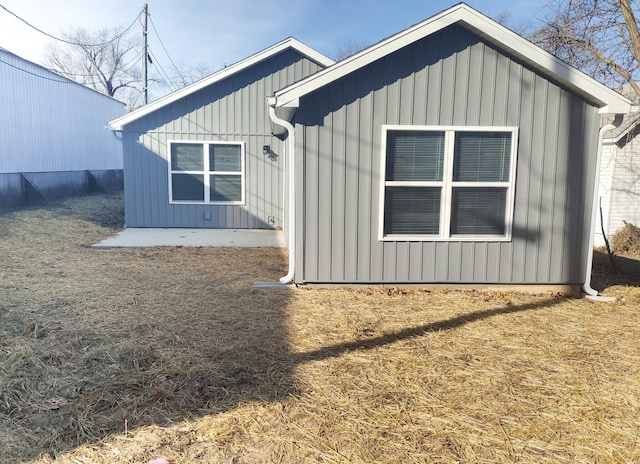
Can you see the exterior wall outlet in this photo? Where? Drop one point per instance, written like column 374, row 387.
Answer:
column 271, row 219
column 207, row 216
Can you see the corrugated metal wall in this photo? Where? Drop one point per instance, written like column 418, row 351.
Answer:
column 48, row 123
column 231, row 110
column 449, row 78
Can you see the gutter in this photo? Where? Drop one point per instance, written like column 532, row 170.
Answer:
column 291, row 221
column 586, row 287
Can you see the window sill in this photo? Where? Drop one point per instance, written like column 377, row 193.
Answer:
column 214, row 203
column 436, row 238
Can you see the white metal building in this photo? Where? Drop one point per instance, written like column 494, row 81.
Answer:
column 53, row 140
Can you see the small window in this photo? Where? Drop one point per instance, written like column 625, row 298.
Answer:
column 206, row 172
column 447, row 183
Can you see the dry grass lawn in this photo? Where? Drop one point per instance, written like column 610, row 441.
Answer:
column 123, row 356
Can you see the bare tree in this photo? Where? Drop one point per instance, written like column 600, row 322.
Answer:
column 523, row 27
column 348, row 48
column 107, row 61
column 600, row 37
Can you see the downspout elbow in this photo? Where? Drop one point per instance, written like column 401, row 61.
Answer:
column 291, row 236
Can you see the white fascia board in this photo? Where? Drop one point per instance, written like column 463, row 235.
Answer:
column 609, row 100
column 118, row 124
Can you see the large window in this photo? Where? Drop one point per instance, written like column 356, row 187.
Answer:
column 206, row 172
column 447, row 183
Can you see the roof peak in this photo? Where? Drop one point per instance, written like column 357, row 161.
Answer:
column 272, row 50
column 608, row 100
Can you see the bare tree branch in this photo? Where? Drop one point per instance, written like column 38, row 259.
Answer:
column 600, row 37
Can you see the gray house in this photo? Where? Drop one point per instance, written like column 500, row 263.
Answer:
column 454, row 152
column 52, row 137
column 206, row 156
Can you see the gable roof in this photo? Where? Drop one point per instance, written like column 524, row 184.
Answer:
column 289, row 43
column 608, row 100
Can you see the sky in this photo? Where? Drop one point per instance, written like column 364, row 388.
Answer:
column 217, row 33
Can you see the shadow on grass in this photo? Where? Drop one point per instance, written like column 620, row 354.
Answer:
column 146, row 337
column 626, row 273
column 415, row 332
column 162, row 373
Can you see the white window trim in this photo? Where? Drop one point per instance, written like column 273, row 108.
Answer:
column 447, row 185
column 206, row 173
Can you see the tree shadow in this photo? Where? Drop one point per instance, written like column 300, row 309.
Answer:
column 416, row 332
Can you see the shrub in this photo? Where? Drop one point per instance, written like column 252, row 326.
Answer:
column 626, row 240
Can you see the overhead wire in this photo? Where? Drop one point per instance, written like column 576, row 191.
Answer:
column 153, row 26
column 164, row 77
column 69, row 41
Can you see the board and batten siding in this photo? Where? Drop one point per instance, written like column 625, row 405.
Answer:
column 232, row 110
column 50, row 124
column 451, row 78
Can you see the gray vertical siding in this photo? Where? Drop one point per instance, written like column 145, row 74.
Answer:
column 233, row 109
column 449, row 78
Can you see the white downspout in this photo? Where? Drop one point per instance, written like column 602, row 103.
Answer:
column 586, row 287
column 291, row 220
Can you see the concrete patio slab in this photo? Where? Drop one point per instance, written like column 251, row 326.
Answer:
column 146, row 237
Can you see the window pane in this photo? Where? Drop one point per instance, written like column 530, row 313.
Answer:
column 187, row 157
column 414, row 155
column 478, row 211
column 412, row 210
column 226, row 188
column 482, row 156
column 224, row 157
column 185, row 187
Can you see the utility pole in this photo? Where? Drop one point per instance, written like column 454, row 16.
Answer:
column 145, row 12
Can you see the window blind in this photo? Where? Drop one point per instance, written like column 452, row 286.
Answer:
column 186, row 157
column 414, row 156
column 412, row 210
column 224, row 157
column 482, row 157
column 478, row 210
column 186, row 187
column 225, row 187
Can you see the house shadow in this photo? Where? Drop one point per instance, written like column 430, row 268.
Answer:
column 182, row 343
column 625, row 271
column 153, row 336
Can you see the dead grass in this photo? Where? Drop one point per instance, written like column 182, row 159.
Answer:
column 122, row 356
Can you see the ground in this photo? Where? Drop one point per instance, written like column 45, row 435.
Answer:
column 125, row 356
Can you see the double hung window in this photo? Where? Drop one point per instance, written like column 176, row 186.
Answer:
column 206, row 172
column 447, row 183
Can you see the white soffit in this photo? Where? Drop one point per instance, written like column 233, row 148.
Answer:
column 118, row 124
column 608, row 100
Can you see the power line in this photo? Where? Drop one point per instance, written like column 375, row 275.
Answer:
column 165, row 50
column 133, row 62
column 68, row 41
column 163, row 74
